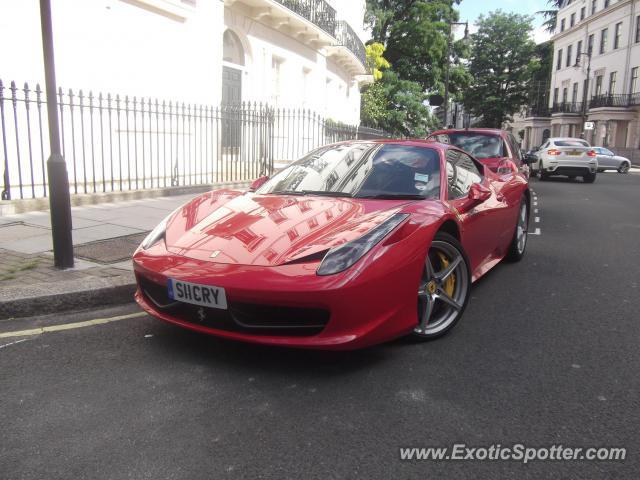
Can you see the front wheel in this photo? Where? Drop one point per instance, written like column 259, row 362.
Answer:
column 443, row 292
column 624, row 168
column 589, row 177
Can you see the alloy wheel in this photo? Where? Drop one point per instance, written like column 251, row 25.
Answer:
column 521, row 229
column 443, row 289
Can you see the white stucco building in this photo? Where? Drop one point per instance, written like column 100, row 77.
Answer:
column 289, row 53
column 602, row 38
column 157, row 93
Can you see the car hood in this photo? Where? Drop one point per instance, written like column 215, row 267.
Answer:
column 268, row 230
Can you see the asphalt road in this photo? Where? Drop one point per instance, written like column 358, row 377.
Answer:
column 548, row 353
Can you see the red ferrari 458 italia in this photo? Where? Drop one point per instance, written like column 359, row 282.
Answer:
column 355, row 244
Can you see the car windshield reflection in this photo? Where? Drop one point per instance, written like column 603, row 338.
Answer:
column 361, row 170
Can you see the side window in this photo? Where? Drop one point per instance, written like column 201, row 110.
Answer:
column 515, row 146
column 462, row 172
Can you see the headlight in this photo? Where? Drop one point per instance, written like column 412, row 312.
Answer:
column 340, row 258
column 157, row 233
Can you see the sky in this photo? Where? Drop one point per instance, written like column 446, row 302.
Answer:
column 471, row 10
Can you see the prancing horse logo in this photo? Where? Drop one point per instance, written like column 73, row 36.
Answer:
column 201, row 314
column 214, row 254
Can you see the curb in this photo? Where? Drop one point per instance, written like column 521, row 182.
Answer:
column 45, row 298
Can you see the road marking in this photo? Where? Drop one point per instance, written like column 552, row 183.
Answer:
column 535, row 210
column 536, row 232
column 70, row 326
column 537, row 219
column 535, row 204
column 14, row 343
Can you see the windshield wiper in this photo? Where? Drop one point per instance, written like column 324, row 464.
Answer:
column 321, row 193
column 324, row 193
column 393, row 196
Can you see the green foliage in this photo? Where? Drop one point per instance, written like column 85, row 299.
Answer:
column 374, row 105
column 502, row 60
column 376, row 60
column 551, row 15
column 415, row 35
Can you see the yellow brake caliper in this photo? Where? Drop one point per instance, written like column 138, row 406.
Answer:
column 450, row 283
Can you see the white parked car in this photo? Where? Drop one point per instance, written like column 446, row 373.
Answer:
column 572, row 157
column 607, row 160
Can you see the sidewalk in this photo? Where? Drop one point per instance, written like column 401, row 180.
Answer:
column 104, row 237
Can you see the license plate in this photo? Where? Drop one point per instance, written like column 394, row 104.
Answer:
column 575, row 152
column 196, row 294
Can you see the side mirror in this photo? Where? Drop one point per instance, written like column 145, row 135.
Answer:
column 257, row 183
column 479, row 193
column 529, row 158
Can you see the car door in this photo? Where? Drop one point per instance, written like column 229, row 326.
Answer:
column 481, row 224
column 606, row 158
column 516, row 155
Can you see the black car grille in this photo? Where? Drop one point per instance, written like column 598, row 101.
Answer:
column 254, row 319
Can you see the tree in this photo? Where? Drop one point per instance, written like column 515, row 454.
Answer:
column 375, row 59
column 551, row 15
column 414, row 33
column 501, row 63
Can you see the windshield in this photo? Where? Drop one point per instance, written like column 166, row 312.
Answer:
column 362, row 170
column 480, row 145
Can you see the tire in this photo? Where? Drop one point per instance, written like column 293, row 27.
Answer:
column 518, row 245
column 589, row 178
column 624, row 167
column 441, row 284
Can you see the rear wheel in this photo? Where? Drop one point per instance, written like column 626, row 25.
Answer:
column 520, row 236
column 541, row 173
column 444, row 288
column 624, row 167
column 589, row 177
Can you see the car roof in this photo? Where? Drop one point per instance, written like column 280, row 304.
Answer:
column 553, row 139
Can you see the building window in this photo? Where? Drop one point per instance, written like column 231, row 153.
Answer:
column 555, row 96
column 638, row 29
column 574, row 93
column 579, row 52
column 613, row 78
column 562, row 22
column 598, row 90
column 276, row 79
column 583, row 13
column 603, row 40
column 564, row 94
column 559, row 61
column 618, row 36
column 590, row 44
column 634, row 80
column 606, row 3
column 569, row 53
column 572, row 20
column 594, row 6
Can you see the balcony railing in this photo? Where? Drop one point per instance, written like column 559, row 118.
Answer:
column 348, row 38
column 318, row 12
column 621, row 100
column 567, row 107
column 538, row 111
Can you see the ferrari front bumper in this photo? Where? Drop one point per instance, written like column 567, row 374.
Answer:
column 287, row 305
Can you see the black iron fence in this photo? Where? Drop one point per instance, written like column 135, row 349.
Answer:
column 115, row 142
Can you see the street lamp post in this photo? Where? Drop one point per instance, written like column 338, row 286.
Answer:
column 586, row 87
column 59, row 200
column 446, row 74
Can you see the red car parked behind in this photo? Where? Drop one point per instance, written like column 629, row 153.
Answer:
column 495, row 148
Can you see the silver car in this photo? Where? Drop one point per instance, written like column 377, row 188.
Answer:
column 607, row 160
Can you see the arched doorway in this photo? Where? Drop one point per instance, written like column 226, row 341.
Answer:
column 233, row 57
